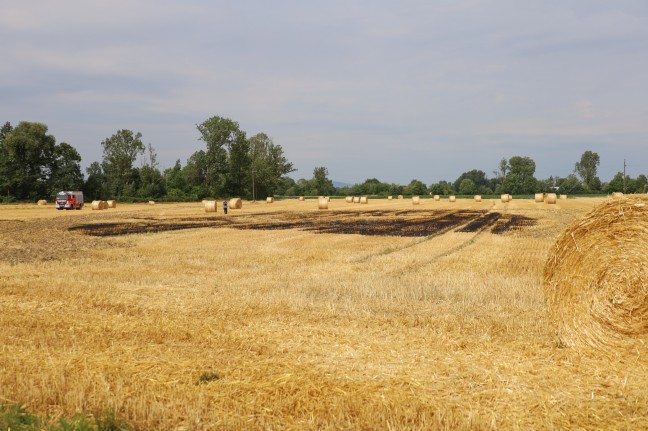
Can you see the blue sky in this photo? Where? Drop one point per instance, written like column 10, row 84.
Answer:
column 369, row 89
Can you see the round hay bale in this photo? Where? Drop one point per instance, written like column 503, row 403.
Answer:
column 41, row 203
column 437, row 198
column 235, row 204
column 477, row 198
column 104, row 205
column 364, row 200
column 400, row 196
column 389, row 198
column 356, row 199
column 596, row 277
column 322, row 203
column 551, row 198
column 539, row 197
column 452, row 198
column 349, row 199
column 112, row 203
column 504, row 198
column 96, row 205
column 270, row 199
column 563, row 197
column 617, row 195
column 416, row 200
column 301, row 198
column 151, row 202
column 211, row 206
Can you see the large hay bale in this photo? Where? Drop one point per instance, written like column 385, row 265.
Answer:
column 269, row 200
column 349, row 199
column 504, row 198
column 322, row 203
column 551, row 198
column 389, row 198
column 416, row 200
column 96, row 205
column 452, row 198
column 211, row 206
column 41, row 202
column 356, row 199
column 112, row 203
column 478, row 198
column 364, row 200
column 539, row 197
column 235, row 204
column 596, row 277
column 437, row 198
column 104, row 205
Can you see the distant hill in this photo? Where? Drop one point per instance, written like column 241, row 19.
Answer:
column 338, row 184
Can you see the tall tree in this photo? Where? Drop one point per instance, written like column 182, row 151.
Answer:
column 66, row 169
column 586, row 168
column 322, row 185
column 221, row 135
column 268, row 165
column 119, row 153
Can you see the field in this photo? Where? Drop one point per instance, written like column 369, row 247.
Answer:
column 280, row 316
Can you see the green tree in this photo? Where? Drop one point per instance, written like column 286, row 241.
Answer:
column 225, row 140
column 476, row 176
column 416, row 187
column 586, row 169
column 95, row 185
column 119, row 153
column 615, row 185
column 195, row 174
column 442, row 188
column 66, row 169
column 570, row 185
column 467, row 187
column 322, row 185
column 268, row 165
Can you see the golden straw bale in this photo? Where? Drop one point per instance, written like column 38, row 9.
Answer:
column 41, row 202
column 235, row 204
column 269, row 199
column 551, row 198
column 477, row 198
column 112, row 203
column 211, row 206
column 104, row 205
column 364, row 200
column 452, row 198
column 563, row 197
column 504, row 198
column 539, row 197
column 437, row 198
column 151, row 202
column 510, row 197
column 617, row 195
column 596, row 278
column 301, row 198
column 96, row 205
column 356, row 199
column 415, row 200
column 349, row 199
column 389, row 198
column 322, row 203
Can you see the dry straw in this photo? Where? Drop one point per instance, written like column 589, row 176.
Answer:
column 539, row 197
column 504, row 198
column 437, row 198
column 596, row 278
column 269, row 199
column 349, row 199
column 389, row 198
column 151, row 202
column 477, row 198
column 104, row 205
column 617, row 195
column 210, row 206
column 452, row 198
column 112, row 203
column 41, row 202
column 551, row 198
column 356, row 199
column 322, row 203
column 364, row 200
column 235, row 204
column 301, row 198
column 416, row 200
column 96, row 205
column 563, row 197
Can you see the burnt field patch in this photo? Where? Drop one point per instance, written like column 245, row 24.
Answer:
column 408, row 223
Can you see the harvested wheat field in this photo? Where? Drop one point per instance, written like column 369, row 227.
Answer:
column 379, row 316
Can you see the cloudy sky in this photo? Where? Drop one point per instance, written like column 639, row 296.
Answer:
column 393, row 90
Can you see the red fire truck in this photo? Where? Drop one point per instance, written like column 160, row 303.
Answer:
column 69, row 200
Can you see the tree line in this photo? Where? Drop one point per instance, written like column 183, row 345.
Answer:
column 33, row 166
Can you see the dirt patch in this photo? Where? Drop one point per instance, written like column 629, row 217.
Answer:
column 370, row 223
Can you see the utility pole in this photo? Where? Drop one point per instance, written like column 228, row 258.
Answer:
column 624, row 176
column 253, row 194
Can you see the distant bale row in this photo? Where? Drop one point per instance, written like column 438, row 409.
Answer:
column 595, row 278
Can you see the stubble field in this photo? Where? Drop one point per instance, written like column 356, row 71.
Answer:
column 280, row 316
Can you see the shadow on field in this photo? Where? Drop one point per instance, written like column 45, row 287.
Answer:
column 371, row 223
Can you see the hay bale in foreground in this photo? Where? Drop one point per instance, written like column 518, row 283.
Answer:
column 596, row 278
column 112, row 203
column 235, row 204
column 322, row 203
column 269, row 200
column 364, row 200
column 539, row 197
column 416, row 200
column 551, row 198
column 211, row 206
column 452, row 198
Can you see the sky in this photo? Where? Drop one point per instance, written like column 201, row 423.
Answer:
column 393, row 90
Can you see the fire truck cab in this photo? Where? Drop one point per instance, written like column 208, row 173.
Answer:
column 69, row 200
